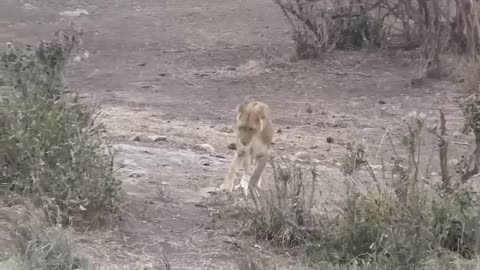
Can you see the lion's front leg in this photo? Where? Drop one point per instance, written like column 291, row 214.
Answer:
column 246, row 162
column 228, row 181
column 261, row 162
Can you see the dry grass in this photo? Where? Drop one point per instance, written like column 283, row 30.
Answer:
column 390, row 219
column 30, row 243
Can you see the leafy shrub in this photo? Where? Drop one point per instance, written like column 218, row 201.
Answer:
column 50, row 144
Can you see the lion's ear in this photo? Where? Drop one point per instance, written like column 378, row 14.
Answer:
column 240, row 108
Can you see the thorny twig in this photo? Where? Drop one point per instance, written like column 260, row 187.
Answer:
column 442, row 151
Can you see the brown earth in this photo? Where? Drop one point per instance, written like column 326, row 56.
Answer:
column 178, row 69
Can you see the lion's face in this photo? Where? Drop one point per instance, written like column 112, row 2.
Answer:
column 248, row 125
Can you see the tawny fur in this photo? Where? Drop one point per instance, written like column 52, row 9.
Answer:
column 254, row 133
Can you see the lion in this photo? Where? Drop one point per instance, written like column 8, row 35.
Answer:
column 254, row 134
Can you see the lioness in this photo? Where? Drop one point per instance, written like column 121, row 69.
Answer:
column 254, row 133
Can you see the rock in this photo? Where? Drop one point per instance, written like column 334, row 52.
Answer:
column 453, row 162
column 136, row 139
column 417, row 82
column 231, row 68
column 159, row 138
column 126, row 163
column 330, row 140
column 303, row 155
column 142, row 266
column 29, row 7
column 279, row 131
column 136, row 174
column 226, row 130
column 205, row 147
column 309, row 109
column 77, row 59
column 122, row 165
column 232, row 146
column 149, row 138
column 208, row 191
column 75, row 13
column 382, row 102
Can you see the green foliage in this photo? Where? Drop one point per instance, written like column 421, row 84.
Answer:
column 51, row 145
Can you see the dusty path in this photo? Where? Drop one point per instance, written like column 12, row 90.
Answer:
column 177, row 68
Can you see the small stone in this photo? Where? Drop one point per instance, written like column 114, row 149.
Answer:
column 453, row 162
column 207, row 192
column 136, row 139
column 232, row 146
column 159, row 138
column 74, row 13
column 330, row 140
column 309, row 109
column 231, row 68
column 279, row 131
column 205, row 147
column 77, row 58
column 303, row 155
column 29, row 7
column 122, row 165
column 382, row 102
column 314, row 147
column 226, row 130
column 136, row 175
column 206, row 164
column 416, row 82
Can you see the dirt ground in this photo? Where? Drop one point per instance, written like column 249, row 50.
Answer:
column 178, row 68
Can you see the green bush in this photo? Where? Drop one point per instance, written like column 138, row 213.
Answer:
column 51, row 146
